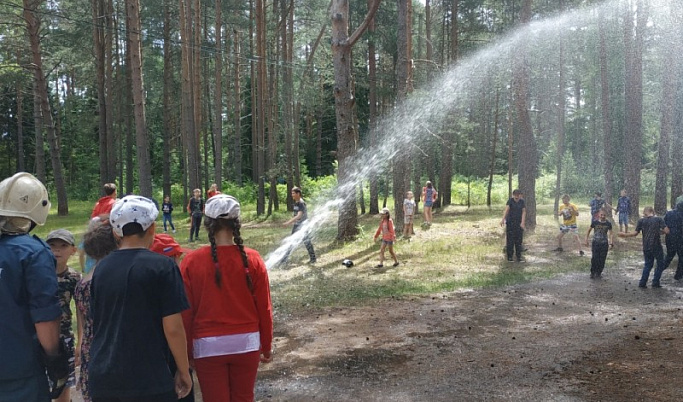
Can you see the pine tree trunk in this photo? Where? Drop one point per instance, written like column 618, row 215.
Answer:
column 261, row 103
column 633, row 141
column 19, row 88
column 401, row 161
column 670, row 86
column 41, row 96
column 527, row 152
column 218, row 101
column 237, row 113
column 605, row 104
column 167, row 105
column 141, row 140
column 561, row 106
column 191, row 145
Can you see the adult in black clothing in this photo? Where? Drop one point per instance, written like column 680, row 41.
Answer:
column 674, row 240
column 300, row 216
column 514, row 218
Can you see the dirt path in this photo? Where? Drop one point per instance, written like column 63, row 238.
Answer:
column 567, row 339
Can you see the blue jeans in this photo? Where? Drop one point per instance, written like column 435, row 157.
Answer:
column 623, row 218
column 650, row 257
column 168, row 218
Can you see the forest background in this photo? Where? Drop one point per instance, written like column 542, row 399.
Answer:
column 164, row 96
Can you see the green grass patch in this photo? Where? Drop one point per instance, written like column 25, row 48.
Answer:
column 461, row 250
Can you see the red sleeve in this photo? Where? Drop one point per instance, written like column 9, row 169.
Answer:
column 264, row 306
column 379, row 229
column 392, row 233
column 188, row 314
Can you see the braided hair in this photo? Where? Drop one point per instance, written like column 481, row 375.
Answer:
column 215, row 225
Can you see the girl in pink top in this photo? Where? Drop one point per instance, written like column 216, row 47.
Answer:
column 386, row 228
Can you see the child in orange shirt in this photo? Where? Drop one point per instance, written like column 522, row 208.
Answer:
column 386, row 228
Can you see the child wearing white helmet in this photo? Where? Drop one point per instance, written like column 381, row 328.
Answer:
column 136, row 300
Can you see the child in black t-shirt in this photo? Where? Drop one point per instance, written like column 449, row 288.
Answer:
column 602, row 241
column 137, row 297
column 652, row 227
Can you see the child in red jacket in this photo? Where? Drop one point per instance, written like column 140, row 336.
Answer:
column 386, row 228
column 229, row 324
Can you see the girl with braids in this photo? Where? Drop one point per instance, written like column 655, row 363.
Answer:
column 229, row 324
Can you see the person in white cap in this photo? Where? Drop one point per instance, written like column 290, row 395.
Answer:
column 137, row 297
column 29, row 307
column 230, row 320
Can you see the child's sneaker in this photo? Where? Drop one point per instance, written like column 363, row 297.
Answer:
column 559, row 249
column 174, row 231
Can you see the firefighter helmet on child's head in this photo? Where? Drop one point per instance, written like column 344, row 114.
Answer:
column 24, row 196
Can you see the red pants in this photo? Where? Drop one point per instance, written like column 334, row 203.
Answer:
column 228, row 378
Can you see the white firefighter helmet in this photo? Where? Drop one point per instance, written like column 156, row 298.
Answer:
column 24, row 196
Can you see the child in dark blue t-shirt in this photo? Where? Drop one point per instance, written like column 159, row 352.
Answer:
column 652, row 227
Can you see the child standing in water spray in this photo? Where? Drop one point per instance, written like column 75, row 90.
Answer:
column 602, row 241
column 652, row 227
column 429, row 195
column 408, row 213
column 229, row 323
column 386, row 229
column 569, row 212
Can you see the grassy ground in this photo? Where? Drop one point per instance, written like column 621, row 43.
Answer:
column 462, row 249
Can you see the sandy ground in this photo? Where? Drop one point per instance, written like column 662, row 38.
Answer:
column 565, row 339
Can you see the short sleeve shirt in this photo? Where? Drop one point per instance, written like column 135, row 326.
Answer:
column 674, row 221
column 569, row 213
column 600, row 231
column 624, row 205
column 67, row 282
column 651, row 227
column 596, row 205
column 28, row 295
column 132, row 291
column 300, row 206
column 409, row 206
column 196, row 206
column 515, row 212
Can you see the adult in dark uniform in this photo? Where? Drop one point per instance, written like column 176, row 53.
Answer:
column 29, row 307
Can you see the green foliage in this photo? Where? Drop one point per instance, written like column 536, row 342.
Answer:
column 246, row 193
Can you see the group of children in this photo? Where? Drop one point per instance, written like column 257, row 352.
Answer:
column 142, row 318
column 650, row 226
column 386, row 225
